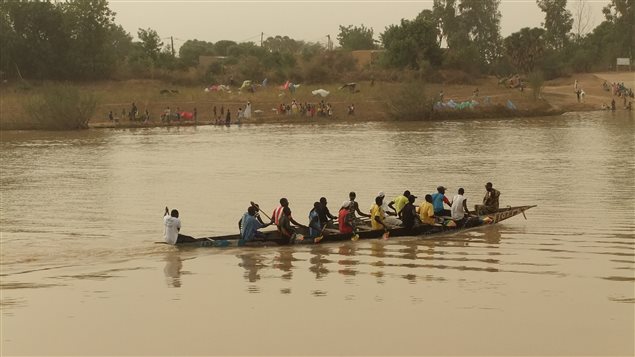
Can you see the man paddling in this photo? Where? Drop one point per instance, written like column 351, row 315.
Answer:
column 459, row 207
column 324, row 214
column 399, row 202
column 172, row 227
column 277, row 213
column 249, row 225
column 438, row 199
column 377, row 215
column 354, row 206
column 408, row 214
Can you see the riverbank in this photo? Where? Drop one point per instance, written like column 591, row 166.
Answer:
column 369, row 100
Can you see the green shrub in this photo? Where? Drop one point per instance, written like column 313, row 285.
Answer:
column 410, row 102
column 61, row 107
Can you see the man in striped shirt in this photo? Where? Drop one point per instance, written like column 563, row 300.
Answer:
column 277, row 213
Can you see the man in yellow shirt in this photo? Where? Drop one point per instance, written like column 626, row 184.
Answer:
column 377, row 214
column 399, row 202
column 426, row 211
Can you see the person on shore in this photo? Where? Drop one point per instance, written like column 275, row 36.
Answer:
column 166, row 114
column 222, row 110
column 490, row 200
column 111, row 117
column 178, row 114
column 398, row 203
column 459, row 206
column 214, row 111
column 249, row 225
column 326, row 218
column 438, row 199
column 378, row 215
column 172, row 228
column 613, row 104
column 195, row 115
column 426, row 211
column 228, row 118
column 408, row 214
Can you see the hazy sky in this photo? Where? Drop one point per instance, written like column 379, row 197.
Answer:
column 306, row 20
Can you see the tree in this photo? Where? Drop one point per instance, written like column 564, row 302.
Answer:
column 34, row 41
column 525, row 48
column 558, row 22
column 621, row 13
column 445, row 13
column 353, row 38
column 150, row 43
column 480, row 26
column 282, row 44
column 192, row 49
column 90, row 24
column 582, row 19
column 220, row 47
column 410, row 43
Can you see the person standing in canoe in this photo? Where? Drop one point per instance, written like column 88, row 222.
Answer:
column 438, row 199
column 399, row 202
column 426, row 211
column 249, row 225
column 172, row 227
column 377, row 215
column 490, row 200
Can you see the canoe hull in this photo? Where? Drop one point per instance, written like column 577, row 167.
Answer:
column 273, row 238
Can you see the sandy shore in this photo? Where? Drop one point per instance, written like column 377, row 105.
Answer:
column 370, row 101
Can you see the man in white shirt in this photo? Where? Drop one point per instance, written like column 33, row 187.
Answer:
column 459, row 207
column 172, row 226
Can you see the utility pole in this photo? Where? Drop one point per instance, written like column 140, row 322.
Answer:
column 328, row 42
column 261, row 35
column 172, row 45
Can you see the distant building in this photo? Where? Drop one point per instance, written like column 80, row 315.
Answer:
column 366, row 57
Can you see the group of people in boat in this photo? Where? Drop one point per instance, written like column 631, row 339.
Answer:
column 383, row 215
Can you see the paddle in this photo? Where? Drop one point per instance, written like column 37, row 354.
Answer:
column 257, row 207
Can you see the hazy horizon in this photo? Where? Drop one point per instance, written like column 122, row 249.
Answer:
column 310, row 21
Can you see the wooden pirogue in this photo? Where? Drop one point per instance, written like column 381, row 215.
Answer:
column 331, row 235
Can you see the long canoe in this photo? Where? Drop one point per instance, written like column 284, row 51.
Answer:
column 273, row 238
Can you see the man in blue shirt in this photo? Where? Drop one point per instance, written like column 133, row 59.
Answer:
column 438, row 199
column 249, row 226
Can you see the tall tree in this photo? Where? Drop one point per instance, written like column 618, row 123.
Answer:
column 525, row 48
column 282, row 44
column 411, row 42
column 90, row 24
column 582, row 19
column 356, row 38
column 150, row 42
column 621, row 13
column 558, row 22
column 445, row 13
column 480, row 23
column 34, row 41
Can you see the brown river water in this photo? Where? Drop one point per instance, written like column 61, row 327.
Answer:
column 81, row 274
